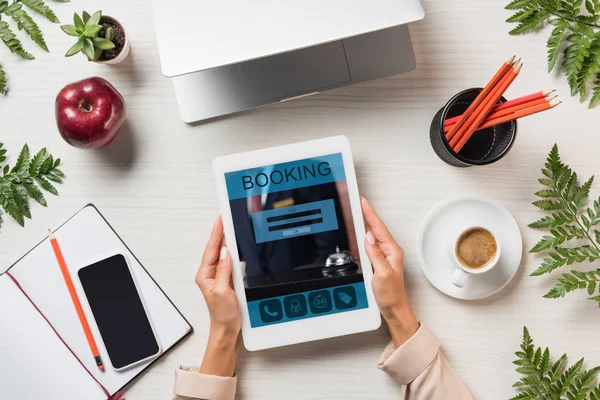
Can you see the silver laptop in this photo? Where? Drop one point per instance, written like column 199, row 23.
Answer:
column 228, row 56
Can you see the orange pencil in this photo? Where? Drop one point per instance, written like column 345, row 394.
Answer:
column 459, row 141
column 507, row 104
column 454, row 139
column 482, row 95
column 507, row 111
column 69, row 282
column 520, row 114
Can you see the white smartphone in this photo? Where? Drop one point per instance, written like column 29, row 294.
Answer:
column 119, row 312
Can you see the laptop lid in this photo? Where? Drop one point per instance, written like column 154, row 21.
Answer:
column 195, row 35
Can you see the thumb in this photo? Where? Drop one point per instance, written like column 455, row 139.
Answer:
column 378, row 260
column 224, row 268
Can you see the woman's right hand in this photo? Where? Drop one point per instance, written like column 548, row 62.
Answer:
column 214, row 280
column 387, row 258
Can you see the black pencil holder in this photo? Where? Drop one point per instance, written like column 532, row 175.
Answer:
column 486, row 146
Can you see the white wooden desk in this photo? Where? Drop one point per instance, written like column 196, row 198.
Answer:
column 155, row 185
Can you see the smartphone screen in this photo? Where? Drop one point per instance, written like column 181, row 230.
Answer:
column 118, row 311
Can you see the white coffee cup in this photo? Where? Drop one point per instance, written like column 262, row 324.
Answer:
column 462, row 272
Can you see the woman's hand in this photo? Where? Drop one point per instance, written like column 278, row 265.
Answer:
column 214, row 280
column 387, row 258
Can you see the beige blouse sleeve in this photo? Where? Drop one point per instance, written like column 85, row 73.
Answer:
column 189, row 384
column 422, row 369
column 418, row 365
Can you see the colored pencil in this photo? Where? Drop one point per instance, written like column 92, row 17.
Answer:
column 69, row 282
column 520, row 114
column 510, row 103
column 482, row 95
column 483, row 110
column 507, row 111
column 454, row 139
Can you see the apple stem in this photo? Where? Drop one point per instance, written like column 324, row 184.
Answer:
column 85, row 106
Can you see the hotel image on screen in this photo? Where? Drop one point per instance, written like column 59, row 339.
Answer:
column 296, row 240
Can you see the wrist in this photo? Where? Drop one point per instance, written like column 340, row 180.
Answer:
column 402, row 324
column 222, row 336
column 221, row 352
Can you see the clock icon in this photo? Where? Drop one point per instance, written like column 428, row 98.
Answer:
column 320, row 301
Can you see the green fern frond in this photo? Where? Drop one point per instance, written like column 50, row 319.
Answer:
column 572, row 219
column 14, row 10
column 11, row 41
column 541, row 379
column 41, row 8
column 28, row 178
column 2, row 81
column 26, row 23
column 574, row 43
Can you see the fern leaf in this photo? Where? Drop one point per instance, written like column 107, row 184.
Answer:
column 10, row 40
column 549, row 205
column 590, row 66
column 523, row 15
column 2, row 81
column 595, row 100
column 549, row 265
column 27, row 23
column 574, row 56
column 22, row 161
column 47, row 165
column 21, row 200
column 2, row 153
column 530, row 23
column 47, row 186
column 36, row 194
column 553, row 45
column 41, row 8
column 583, row 193
column 37, row 161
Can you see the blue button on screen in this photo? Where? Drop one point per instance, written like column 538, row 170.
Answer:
column 270, row 310
column 344, row 297
column 319, row 301
column 295, row 306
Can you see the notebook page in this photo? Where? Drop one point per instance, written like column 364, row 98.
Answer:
column 84, row 239
column 34, row 362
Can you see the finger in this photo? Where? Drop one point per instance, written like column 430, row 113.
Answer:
column 378, row 260
column 211, row 252
column 379, row 230
column 224, row 268
column 210, row 258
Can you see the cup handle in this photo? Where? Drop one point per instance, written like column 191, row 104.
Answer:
column 459, row 278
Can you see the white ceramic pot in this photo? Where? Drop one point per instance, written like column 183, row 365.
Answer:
column 126, row 46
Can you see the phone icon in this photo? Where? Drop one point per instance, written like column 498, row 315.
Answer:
column 269, row 312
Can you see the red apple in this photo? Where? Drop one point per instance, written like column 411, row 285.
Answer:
column 89, row 113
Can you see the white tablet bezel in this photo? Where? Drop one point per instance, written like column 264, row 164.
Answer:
column 309, row 329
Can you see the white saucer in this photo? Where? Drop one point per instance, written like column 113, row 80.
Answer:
column 441, row 228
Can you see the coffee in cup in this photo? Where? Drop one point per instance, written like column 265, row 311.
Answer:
column 476, row 250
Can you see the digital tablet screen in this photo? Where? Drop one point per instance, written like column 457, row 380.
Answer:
column 296, row 240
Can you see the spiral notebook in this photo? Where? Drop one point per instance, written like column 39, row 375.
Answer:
column 34, row 362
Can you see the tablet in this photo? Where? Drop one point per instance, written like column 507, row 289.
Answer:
column 295, row 232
